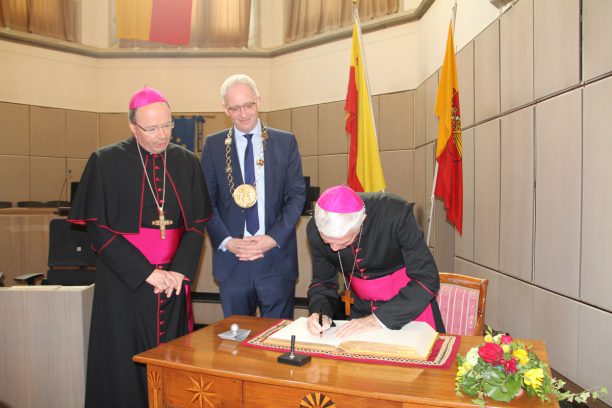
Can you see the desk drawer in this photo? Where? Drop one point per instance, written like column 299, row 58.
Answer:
column 264, row 395
column 179, row 388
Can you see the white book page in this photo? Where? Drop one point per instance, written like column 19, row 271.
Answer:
column 417, row 335
column 299, row 328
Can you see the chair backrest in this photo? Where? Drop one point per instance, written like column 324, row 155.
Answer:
column 71, row 259
column 462, row 303
column 69, row 245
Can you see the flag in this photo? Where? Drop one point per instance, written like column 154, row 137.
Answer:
column 449, row 182
column 163, row 21
column 365, row 170
column 133, row 18
column 187, row 129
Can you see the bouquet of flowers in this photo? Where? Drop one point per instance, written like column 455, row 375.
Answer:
column 503, row 368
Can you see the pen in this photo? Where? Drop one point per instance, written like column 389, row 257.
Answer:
column 321, row 322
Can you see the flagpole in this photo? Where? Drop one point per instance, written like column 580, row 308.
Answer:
column 435, row 177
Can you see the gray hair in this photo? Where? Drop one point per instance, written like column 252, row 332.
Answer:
column 235, row 80
column 337, row 225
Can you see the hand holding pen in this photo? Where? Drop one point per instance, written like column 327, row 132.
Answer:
column 321, row 322
column 318, row 323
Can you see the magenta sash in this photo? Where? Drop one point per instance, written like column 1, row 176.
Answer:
column 385, row 288
column 158, row 251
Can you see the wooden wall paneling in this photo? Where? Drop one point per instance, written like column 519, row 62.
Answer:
column 486, row 194
column 15, row 136
column 486, row 73
column 420, row 210
column 47, row 178
column 517, row 194
column 396, row 121
column 464, row 243
column 596, row 257
column 113, row 128
column 14, row 178
column 520, row 295
column 561, row 339
column 47, row 132
column 332, row 135
column 556, row 48
column 419, row 115
column 75, row 168
column 398, row 168
column 430, row 164
column 333, row 170
column 82, row 133
column 280, row 120
column 516, row 44
column 558, row 193
column 310, row 167
column 465, row 78
column 305, row 121
column 594, row 365
column 596, row 29
column 431, row 120
column 215, row 122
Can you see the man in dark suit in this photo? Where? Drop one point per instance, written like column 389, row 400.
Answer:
column 255, row 182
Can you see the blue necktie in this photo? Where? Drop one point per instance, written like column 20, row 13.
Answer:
column 252, row 217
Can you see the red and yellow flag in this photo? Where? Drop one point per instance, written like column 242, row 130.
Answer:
column 449, row 183
column 365, row 170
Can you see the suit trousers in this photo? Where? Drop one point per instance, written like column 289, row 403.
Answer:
column 245, row 290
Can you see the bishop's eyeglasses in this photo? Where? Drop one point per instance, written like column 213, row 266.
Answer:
column 151, row 130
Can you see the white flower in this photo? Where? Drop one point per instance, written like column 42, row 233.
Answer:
column 472, row 356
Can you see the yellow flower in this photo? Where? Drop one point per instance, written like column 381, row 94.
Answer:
column 534, row 377
column 467, row 365
column 488, row 338
column 505, row 347
column 521, row 355
column 461, row 370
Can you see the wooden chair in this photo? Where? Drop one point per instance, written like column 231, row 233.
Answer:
column 462, row 303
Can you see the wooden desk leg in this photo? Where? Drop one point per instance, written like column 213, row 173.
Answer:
column 155, row 386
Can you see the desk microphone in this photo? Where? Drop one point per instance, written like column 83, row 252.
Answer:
column 292, row 357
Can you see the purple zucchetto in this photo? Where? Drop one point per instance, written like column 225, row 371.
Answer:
column 340, row 199
column 146, row 96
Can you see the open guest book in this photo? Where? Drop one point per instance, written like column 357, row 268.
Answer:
column 413, row 341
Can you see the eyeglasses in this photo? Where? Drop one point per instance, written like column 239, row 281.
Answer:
column 237, row 108
column 166, row 127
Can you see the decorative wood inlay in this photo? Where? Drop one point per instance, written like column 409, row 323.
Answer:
column 201, row 393
column 317, row 400
column 154, row 379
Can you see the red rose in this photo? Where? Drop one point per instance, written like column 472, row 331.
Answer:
column 491, row 353
column 506, row 339
column 509, row 365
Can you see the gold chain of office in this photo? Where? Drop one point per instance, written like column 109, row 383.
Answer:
column 245, row 195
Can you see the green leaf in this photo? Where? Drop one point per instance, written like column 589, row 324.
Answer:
column 479, row 402
column 504, row 391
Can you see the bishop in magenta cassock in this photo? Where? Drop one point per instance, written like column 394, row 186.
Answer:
column 386, row 269
column 145, row 204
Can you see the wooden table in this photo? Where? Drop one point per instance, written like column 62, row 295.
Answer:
column 203, row 370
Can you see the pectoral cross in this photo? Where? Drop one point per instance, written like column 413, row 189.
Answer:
column 162, row 222
column 348, row 300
